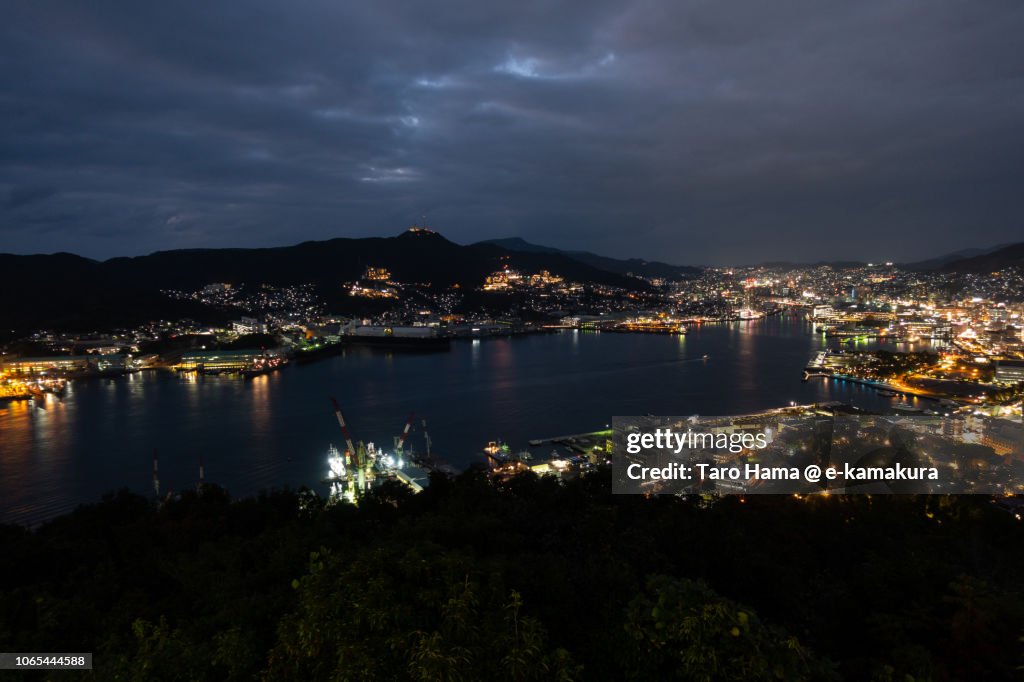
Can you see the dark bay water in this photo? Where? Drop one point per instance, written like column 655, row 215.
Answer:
column 275, row 430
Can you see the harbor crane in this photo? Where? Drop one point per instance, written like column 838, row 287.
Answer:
column 354, row 457
column 362, row 466
column 344, row 429
column 400, row 440
column 426, row 436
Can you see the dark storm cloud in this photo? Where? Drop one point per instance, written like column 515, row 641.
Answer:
column 685, row 131
column 22, row 196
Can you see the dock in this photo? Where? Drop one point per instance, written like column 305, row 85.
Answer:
column 817, row 362
column 580, row 442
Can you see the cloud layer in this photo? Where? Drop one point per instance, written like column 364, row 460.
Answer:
column 694, row 132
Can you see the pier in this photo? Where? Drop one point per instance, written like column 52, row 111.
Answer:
column 579, row 443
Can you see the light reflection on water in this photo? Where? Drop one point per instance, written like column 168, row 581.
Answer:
column 274, row 430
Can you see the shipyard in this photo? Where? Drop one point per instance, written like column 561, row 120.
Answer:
column 360, row 467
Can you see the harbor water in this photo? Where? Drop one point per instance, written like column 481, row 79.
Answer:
column 275, row 430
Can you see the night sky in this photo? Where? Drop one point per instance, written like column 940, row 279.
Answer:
column 691, row 132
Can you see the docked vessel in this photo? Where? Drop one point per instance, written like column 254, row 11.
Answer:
column 647, row 326
column 403, row 337
column 350, row 475
column 264, row 366
column 337, row 472
column 503, row 462
column 318, row 352
column 498, row 454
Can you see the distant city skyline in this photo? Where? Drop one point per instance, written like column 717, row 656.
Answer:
column 689, row 133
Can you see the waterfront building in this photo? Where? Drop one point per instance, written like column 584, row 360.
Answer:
column 1009, row 371
column 57, row 363
column 221, row 360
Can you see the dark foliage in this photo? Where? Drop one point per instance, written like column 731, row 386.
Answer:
column 533, row 580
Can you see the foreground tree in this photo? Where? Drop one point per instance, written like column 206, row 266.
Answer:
column 683, row 630
column 420, row 614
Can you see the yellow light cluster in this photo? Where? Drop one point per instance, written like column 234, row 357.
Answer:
column 506, row 279
column 377, row 274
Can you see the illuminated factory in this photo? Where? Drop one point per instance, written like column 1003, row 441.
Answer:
column 217, row 361
column 67, row 365
column 32, row 366
column 361, row 467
